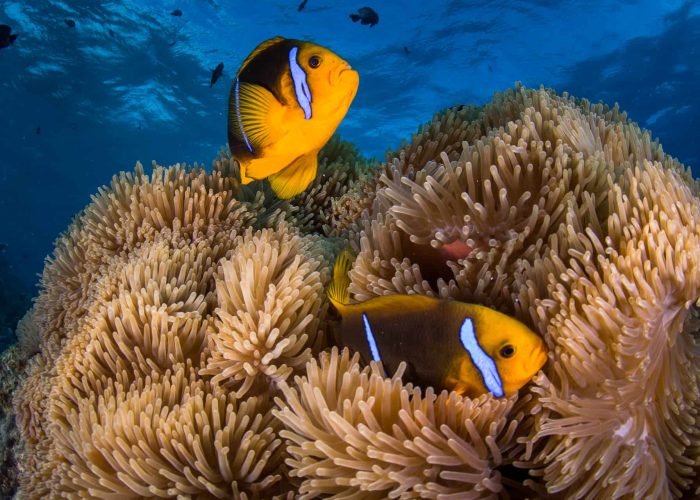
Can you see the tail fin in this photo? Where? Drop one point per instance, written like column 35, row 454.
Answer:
column 354, row 18
column 338, row 289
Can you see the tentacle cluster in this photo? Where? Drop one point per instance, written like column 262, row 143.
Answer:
column 182, row 321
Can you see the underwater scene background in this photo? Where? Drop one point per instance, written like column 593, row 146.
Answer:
column 534, row 201
column 104, row 101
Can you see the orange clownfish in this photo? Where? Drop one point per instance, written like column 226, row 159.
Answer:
column 447, row 344
column 286, row 101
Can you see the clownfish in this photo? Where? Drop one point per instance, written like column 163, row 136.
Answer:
column 447, row 344
column 286, row 101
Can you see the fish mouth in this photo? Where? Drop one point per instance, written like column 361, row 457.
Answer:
column 343, row 73
column 538, row 358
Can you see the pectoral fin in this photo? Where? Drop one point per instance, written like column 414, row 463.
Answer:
column 295, row 178
column 255, row 117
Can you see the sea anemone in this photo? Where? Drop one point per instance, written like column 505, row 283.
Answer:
column 167, row 435
column 174, row 203
column 620, row 400
column 356, row 433
column 270, row 299
column 568, row 216
column 183, row 319
column 148, row 313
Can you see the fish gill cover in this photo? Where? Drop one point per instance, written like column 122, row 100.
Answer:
column 179, row 343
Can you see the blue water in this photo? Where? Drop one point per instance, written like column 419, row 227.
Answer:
column 104, row 101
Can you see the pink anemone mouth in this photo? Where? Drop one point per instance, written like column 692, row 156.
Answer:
column 456, row 250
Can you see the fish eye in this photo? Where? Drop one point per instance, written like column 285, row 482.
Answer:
column 507, row 351
column 314, row 61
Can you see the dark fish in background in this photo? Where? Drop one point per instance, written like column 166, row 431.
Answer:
column 176, row 13
column 6, row 39
column 302, row 5
column 38, row 129
column 216, row 73
column 69, row 22
column 172, row 43
column 111, row 33
column 366, row 15
column 405, row 50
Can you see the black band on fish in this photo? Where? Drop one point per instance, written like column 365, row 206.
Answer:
column 301, row 87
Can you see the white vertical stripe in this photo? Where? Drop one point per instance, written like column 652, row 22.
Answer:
column 370, row 339
column 483, row 362
column 301, row 87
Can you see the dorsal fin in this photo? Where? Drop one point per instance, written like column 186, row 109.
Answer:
column 263, row 46
column 338, row 289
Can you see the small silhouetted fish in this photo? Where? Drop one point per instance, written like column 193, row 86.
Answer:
column 69, row 22
column 302, row 5
column 405, row 50
column 6, row 39
column 216, row 73
column 111, row 33
column 176, row 13
column 366, row 15
column 172, row 43
column 38, row 129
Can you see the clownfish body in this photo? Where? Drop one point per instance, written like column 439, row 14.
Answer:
column 286, row 101
column 468, row 348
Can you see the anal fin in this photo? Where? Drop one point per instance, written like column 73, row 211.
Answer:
column 296, row 177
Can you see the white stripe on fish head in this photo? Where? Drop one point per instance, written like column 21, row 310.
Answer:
column 301, row 87
column 483, row 362
column 370, row 339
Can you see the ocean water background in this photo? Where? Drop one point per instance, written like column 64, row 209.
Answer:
column 131, row 82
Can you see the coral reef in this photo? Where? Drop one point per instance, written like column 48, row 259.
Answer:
column 12, row 366
column 183, row 331
column 15, row 299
